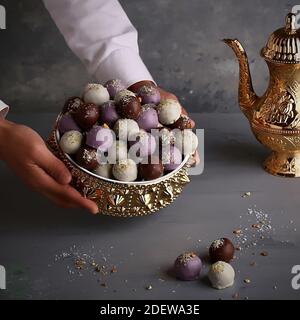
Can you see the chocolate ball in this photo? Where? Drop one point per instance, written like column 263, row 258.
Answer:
column 184, row 122
column 86, row 157
column 72, row 104
column 71, row 141
column 148, row 118
column 114, row 86
column 152, row 170
column 125, row 128
column 129, row 107
column 169, row 111
column 142, row 145
column 100, row 138
column 87, row 115
column 221, row 250
column 95, row 93
column 108, row 113
column 171, row 158
column 221, row 275
column 67, row 123
column 149, row 94
column 125, row 170
column 187, row 267
column 123, row 93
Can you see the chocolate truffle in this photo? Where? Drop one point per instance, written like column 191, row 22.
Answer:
column 142, row 145
column 95, row 93
column 124, row 128
column 71, row 141
column 72, row 104
column 187, row 267
column 221, row 250
column 184, row 122
column 169, row 111
column 104, row 170
column 149, row 94
column 100, row 138
column 108, row 113
column 117, row 152
column 87, row 115
column 148, row 118
column 123, row 93
column 86, row 157
column 171, row 158
column 113, row 87
column 129, row 107
column 125, row 170
column 186, row 141
column 67, row 123
column 154, row 169
column 221, row 275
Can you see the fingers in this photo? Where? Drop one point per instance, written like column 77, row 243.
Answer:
column 63, row 195
column 54, row 167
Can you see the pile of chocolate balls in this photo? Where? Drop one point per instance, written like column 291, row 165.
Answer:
column 123, row 135
column 188, row 266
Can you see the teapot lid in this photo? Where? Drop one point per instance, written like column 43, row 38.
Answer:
column 283, row 45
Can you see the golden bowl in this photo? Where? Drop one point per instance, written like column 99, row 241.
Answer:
column 115, row 198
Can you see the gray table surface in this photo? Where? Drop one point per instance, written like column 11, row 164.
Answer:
column 39, row 242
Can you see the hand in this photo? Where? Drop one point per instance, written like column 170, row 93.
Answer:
column 25, row 152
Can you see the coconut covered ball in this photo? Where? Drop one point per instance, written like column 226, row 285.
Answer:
column 221, row 275
column 169, row 111
column 104, row 170
column 186, row 141
column 125, row 170
column 95, row 93
column 123, row 93
column 124, row 128
column 71, row 141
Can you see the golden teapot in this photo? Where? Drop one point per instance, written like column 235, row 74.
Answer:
column 275, row 117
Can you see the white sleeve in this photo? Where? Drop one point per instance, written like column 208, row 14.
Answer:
column 3, row 109
column 101, row 35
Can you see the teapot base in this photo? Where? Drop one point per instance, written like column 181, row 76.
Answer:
column 283, row 164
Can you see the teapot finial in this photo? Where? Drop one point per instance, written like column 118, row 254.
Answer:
column 290, row 23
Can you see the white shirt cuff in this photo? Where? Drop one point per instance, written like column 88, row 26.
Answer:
column 3, row 109
column 123, row 64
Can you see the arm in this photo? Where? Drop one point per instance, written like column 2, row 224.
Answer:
column 101, row 35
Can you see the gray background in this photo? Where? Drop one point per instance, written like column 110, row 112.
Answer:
column 179, row 41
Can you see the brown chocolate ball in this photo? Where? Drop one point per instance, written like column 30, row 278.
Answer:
column 154, row 169
column 184, row 122
column 86, row 157
column 87, row 115
column 221, row 250
column 72, row 104
column 129, row 107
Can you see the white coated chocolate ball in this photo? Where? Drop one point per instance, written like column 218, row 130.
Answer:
column 118, row 151
column 221, row 275
column 124, row 128
column 123, row 93
column 186, row 141
column 104, row 170
column 125, row 170
column 95, row 93
column 169, row 111
column 71, row 141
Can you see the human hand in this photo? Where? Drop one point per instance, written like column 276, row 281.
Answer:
column 27, row 155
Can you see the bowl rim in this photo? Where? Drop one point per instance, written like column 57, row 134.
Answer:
column 133, row 183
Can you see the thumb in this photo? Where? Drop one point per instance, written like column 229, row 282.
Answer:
column 55, row 168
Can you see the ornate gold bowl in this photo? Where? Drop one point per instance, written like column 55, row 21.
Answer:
column 121, row 199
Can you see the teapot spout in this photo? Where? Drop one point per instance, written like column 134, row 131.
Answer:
column 247, row 96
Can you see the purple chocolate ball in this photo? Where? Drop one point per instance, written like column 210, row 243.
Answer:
column 148, row 118
column 114, row 86
column 108, row 113
column 171, row 158
column 149, row 94
column 187, row 267
column 100, row 138
column 142, row 145
column 67, row 123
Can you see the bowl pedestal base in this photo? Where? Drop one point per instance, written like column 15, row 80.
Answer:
column 283, row 164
